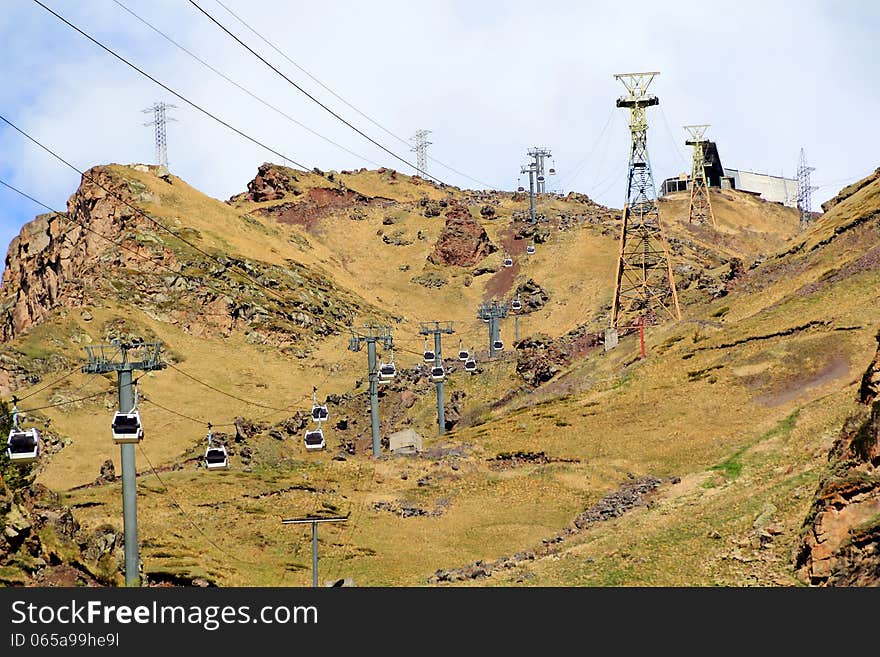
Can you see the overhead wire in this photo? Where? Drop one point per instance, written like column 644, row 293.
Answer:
column 51, row 383
column 243, row 88
column 341, row 99
column 192, row 522
column 310, row 96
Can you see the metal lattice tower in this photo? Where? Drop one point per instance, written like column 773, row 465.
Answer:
column 644, row 283
column 538, row 154
column 805, row 190
column 160, row 118
column 701, row 206
column 420, row 148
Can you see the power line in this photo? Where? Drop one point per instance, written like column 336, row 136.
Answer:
column 310, row 96
column 242, row 88
column 343, row 100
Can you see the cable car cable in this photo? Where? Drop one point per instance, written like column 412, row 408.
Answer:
column 343, row 100
column 244, row 89
column 310, row 96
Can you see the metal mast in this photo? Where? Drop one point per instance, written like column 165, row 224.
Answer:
column 437, row 329
column 420, row 148
column 159, row 120
column 644, row 283
column 491, row 312
column 805, row 191
column 701, row 206
column 538, row 153
column 371, row 335
column 125, row 358
column 530, row 169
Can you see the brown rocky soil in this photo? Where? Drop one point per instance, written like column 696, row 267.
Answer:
column 463, row 242
column 841, row 534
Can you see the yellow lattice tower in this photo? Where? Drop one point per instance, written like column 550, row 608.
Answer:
column 644, row 284
column 701, row 206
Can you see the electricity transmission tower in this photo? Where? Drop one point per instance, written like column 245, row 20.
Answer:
column 701, row 206
column 531, row 169
column 437, row 329
column 420, row 148
column 491, row 312
column 538, row 154
column 805, row 190
column 372, row 334
column 159, row 120
column 125, row 358
column 644, row 282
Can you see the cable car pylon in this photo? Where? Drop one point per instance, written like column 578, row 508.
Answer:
column 370, row 335
column 438, row 373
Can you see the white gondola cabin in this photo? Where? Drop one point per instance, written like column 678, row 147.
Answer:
column 387, row 372
column 498, row 345
column 508, row 262
column 127, row 427
column 516, row 304
column 438, row 373
column 314, row 439
column 320, row 413
column 216, row 458
column 530, row 249
column 470, row 365
column 23, row 445
column 520, row 189
column 463, row 355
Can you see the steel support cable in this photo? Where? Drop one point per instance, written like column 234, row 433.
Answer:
column 343, row 100
column 308, row 95
column 243, row 88
column 188, row 101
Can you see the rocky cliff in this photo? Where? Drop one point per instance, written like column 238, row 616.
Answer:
column 841, row 544
column 463, row 241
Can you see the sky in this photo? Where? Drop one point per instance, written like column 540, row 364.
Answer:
column 489, row 79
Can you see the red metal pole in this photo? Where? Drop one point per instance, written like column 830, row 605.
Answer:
column 642, row 335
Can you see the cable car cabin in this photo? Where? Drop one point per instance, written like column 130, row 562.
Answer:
column 516, row 305
column 429, row 356
column 508, row 262
column 463, row 355
column 438, row 373
column 387, row 371
column 470, row 365
column 23, row 445
column 498, row 345
column 216, row 458
column 552, row 172
column 320, row 413
column 314, row 439
column 520, row 189
column 530, row 249
column 127, row 427
column 540, row 178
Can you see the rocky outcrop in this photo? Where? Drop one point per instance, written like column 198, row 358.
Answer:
column 849, row 190
column 463, row 242
column 271, row 183
column 539, row 358
column 532, row 296
column 58, row 258
column 841, row 534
